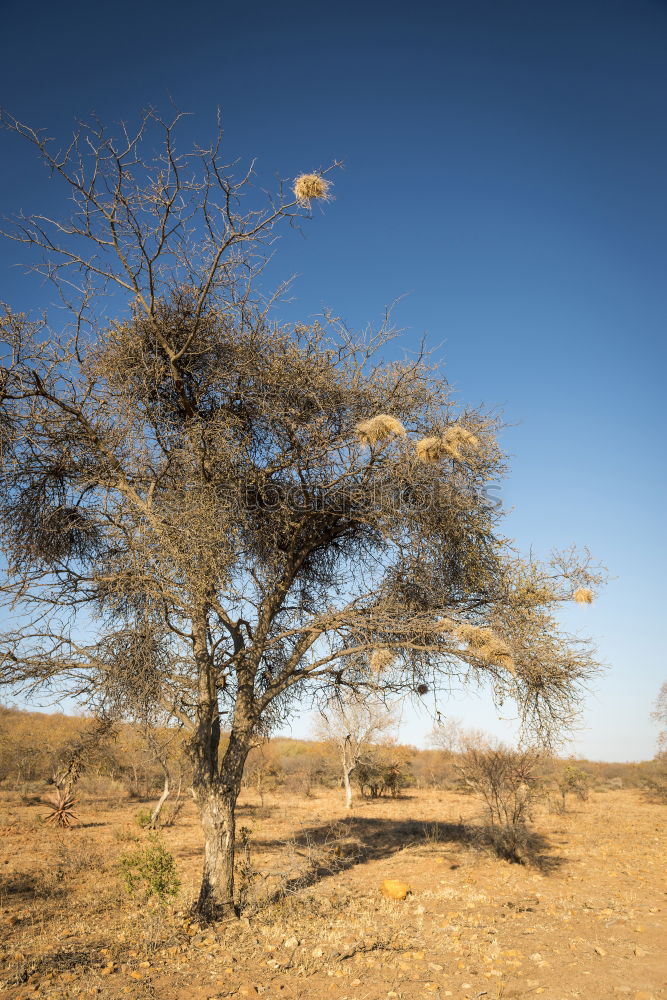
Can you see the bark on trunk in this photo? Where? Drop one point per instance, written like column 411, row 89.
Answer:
column 217, row 804
column 348, row 788
column 216, row 896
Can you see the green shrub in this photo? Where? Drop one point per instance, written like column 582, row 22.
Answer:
column 150, row 869
column 575, row 780
column 143, row 818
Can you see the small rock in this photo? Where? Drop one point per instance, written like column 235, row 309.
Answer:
column 291, row 942
column 639, row 952
column 599, row 951
column 393, row 888
column 536, row 957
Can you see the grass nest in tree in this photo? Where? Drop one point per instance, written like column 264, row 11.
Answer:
column 309, row 187
column 583, row 595
column 380, row 660
column 533, row 595
column 445, row 625
column 484, row 644
column 458, row 440
column 457, row 443
column 430, row 450
column 379, row 429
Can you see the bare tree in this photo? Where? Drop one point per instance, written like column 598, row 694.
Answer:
column 448, row 735
column 164, row 747
column 210, row 513
column 352, row 725
column 77, row 755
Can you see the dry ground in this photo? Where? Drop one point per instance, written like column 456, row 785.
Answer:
column 588, row 922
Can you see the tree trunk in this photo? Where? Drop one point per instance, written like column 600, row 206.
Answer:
column 348, row 787
column 155, row 815
column 216, row 800
column 216, row 896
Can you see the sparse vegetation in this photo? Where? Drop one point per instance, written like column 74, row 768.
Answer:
column 62, row 809
column 150, row 870
column 310, row 875
column 573, row 780
column 505, row 779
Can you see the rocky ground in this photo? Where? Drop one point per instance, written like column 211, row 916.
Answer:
column 585, row 919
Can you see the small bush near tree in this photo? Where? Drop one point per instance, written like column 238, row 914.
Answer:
column 575, row 781
column 506, row 780
column 151, row 870
column 143, row 818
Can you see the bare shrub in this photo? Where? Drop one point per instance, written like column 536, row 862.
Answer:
column 655, row 783
column 381, row 771
column 505, row 779
column 246, row 872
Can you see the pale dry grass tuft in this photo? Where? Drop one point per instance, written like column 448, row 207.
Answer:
column 458, row 440
column 379, row 429
column 583, row 595
column 486, row 645
column 431, row 450
column 457, row 443
column 446, row 625
column 308, row 187
column 380, row 660
column 474, row 636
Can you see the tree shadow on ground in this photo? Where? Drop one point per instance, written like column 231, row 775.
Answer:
column 62, row 960
column 328, row 849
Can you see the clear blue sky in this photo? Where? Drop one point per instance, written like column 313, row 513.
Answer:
column 505, row 169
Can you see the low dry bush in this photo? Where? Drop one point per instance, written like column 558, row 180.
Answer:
column 506, row 780
column 305, row 860
column 655, row 782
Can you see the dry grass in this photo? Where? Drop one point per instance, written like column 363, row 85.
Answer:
column 379, row 429
column 309, row 187
column 446, row 625
column 380, row 660
column 460, row 442
column 583, row 595
column 486, row 645
column 472, row 926
column 457, row 443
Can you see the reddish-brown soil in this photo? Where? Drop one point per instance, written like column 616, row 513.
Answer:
column 587, row 920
